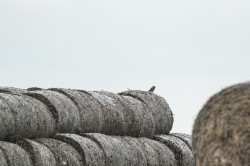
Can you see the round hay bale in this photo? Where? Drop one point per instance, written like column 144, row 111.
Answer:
column 91, row 113
column 221, row 131
column 39, row 153
column 115, row 150
column 65, row 154
column 31, row 117
column 63, row 109
column 15, row 155
column 138, row 121
column 114, row 122
column 184, row 137
column 160, row 109
column 7, row 120
column 11, row 90
column 91, row 153
column 182, row 152
column 164, row 156
column 34, row 88
column 3, row 161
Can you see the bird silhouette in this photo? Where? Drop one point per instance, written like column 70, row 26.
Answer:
column 152, row 89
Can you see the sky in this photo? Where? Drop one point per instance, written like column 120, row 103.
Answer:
column 189, row 50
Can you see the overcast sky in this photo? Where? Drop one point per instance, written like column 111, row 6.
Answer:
column 188, row 49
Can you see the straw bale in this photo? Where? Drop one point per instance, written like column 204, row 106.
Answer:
column 221, row 131
column 3, row 161
column 182, row 152
column 11, row 90
column 184, row 137
column 64, row 153
column 15, row 155
column 64, row 110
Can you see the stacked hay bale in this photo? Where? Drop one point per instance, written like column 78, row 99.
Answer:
column 75, row 127
column 221, row 131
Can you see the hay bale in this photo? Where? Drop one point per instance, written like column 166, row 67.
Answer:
column 116, row 152
column 184, row 137
column 39, row 153
column 34, row 88
column 65, row 154
column 63, row 109
column 31, row 117
column 138, row 121
column 3, row 161
column 221, row 131
column 91, row 112
column 15, row 155
column 157, row 154
column 11, row 90
column 7, row 120
column 160, row 109
column 91, row 153
column 182, row 152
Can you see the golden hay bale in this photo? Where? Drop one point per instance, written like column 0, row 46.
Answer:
column 221, row 132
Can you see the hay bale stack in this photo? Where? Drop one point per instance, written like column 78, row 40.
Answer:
column 116, row 151
column 91, row 153
column 39, row 153
column 221, row 131
column 64, row 111
column 27, row 117
column 11, row 90
column 15, row 155
column 182, row 152
column 157, row 154
column 161, row 112
column 184, row 137
column 65, row 154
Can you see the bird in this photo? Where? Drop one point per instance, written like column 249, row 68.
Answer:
column 152, row 89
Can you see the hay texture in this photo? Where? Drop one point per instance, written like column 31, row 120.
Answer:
column 65, row 112
column 184, row 137
column 91, row 112
column 11, row 90
column 39, row 153
column 182, row 152
column 15, row 155
column 221, row 131
column 92, row 154
column 26, row 116
column 64, row 153
column 3, row 161
column 160, row 109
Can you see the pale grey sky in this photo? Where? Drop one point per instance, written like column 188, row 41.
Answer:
column 188, row 49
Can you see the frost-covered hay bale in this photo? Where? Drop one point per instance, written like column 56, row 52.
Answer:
column 158, row 106
column 11, row 90
column 184, row 137
column 182, row 152
column 63, row 109
column 157, row 154
column 221, row 131
column 31, row 117
column 3, row 161
column 15, row 155
column 116, row 152
column 91, row 152
column 138, row 121
column 39, row 153
column 113, row 118
column 64, row 153
column 91, row 112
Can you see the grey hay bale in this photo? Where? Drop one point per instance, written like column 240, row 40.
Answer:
column 39, row 153
column 11, row 90
column 157, row 153
column 34, row 88
column 92, row 154
column 138, row 121
column 160, row 109
column 64, row 111
column 182, row 152
column 221, row 131
column 91, row 113
column 116, row 152
column 15, row 155
column 3, row 161
column 28, row 117
column 64, row 153
column 184, row 137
